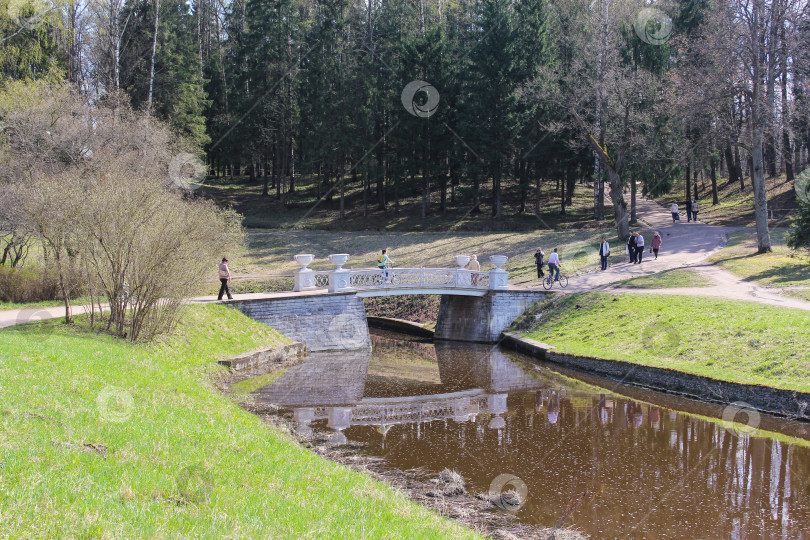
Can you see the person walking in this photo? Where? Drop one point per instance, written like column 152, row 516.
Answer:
column 688, row 210
column 631, row 247
column 694, row 210
column 224, row 279
column 676, row 214
column 655, row 245
column 604, row 253
column 539, row 255
column 554, row 264
column 639, row 248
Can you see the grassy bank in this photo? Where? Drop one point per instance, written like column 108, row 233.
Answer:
column 729, row 340
column 667, row 279
column 102, row 438
column 782, row 267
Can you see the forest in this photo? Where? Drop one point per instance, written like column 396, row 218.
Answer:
column 469, row 104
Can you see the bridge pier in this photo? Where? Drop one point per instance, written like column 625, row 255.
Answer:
column 337, row 321
column 481, row 318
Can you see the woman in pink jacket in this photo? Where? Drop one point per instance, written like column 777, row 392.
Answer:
column 655, row 245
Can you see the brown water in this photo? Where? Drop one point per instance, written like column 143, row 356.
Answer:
column 611, row 460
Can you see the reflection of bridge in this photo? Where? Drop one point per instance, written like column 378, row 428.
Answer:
column 476, row 380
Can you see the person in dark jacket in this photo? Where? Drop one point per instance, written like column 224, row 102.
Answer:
column 688, row 210
column 538, row 260
column 631, row 247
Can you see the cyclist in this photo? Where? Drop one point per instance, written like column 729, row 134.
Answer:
column 383, row 263
column 554, row 264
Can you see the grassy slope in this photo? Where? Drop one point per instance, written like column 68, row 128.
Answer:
column 736, row 206
column 729, row 340
column 781, row 268
column 301, row 209
column 677, row 277
column 184, row 462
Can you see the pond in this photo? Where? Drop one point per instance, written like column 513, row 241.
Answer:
column 611, row 460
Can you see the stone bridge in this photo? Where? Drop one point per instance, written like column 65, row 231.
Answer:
column 328, row 312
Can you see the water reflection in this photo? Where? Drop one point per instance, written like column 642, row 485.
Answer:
column 634, row 469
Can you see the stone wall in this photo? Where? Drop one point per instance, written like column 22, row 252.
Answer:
column 323, row 322
column 763, row 398
column 481, row 318
column 266, row 360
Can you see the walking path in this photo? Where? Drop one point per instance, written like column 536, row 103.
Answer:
column 686, row 245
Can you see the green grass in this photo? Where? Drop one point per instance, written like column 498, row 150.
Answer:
column 729, row 340
column 102, row 438
column 5, row 306
column 781, row 268
column 677, row 277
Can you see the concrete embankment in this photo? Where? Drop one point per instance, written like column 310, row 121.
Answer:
column 787, row 403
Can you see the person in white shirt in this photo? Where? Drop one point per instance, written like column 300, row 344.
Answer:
column 604, row 252
column 676, row 216
column 639, row 248
column 554, row 264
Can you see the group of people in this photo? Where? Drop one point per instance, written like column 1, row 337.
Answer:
column 692, row 209
column 635, row 249
column 636, row 244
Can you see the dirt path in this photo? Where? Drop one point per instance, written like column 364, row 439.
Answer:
column 685, row 245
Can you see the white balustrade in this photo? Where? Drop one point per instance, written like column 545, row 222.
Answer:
column 346, row 280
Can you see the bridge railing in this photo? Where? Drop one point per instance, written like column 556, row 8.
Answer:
column 365, row 279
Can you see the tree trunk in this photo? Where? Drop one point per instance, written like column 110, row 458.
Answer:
column 152, row 62
column 619, row 204
column 732, row 169
column 688, row 181
column 633, row 190
column 713, row 166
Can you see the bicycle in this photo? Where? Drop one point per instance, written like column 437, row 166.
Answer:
column 384, row 278
column 548, row 281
